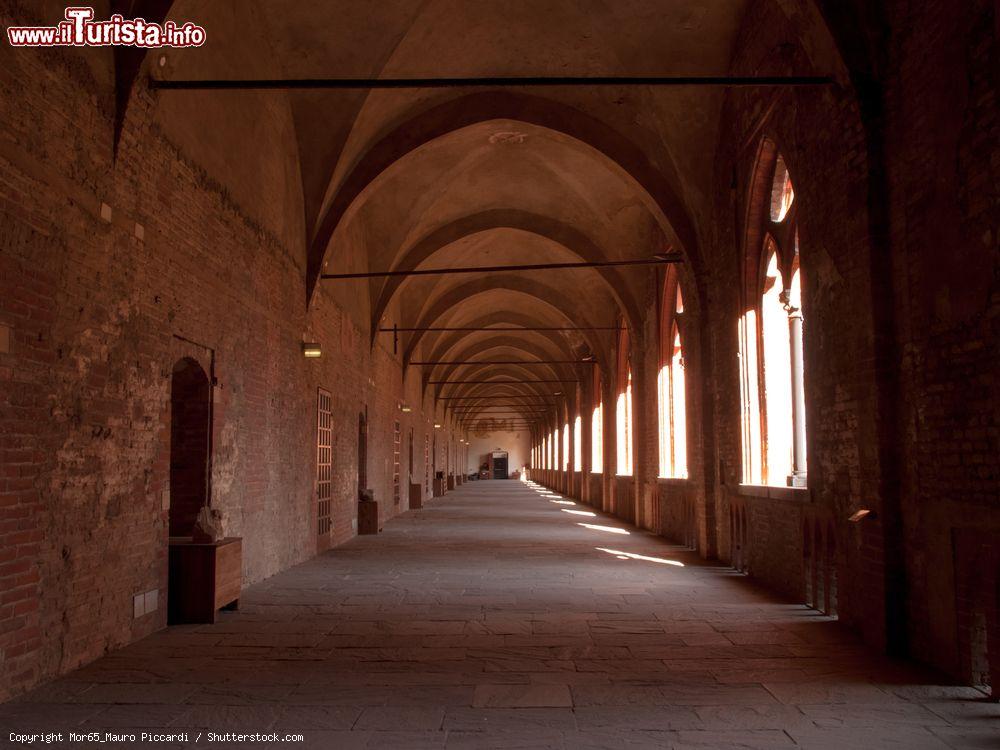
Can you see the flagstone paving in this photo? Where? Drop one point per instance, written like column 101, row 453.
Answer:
column 492, row 618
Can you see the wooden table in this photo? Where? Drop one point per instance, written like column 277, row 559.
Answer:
column 368, row 517
column 204, row 578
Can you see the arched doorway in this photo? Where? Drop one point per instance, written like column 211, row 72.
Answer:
column 190, row 403
column 362, row 452
column 410, row 456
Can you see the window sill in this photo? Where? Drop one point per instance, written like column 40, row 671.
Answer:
column 800, row 494
column 681, row 481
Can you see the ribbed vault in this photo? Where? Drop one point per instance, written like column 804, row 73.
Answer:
column 407, row 180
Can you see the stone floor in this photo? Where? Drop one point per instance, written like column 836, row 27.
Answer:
column 505, row 616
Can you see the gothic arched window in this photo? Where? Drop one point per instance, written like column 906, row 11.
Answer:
column 670, row 388
column 623, row 406
column 597, row 427
column 772, row 382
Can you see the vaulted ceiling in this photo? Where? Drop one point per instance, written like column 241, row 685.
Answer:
column 422, row 178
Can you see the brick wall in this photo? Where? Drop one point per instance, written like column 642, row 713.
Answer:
column 100, row 309
column 118, row 261
column 925, row 430
column 819, row 133
column 941, row 111
column 911, row 437
column 189, row 444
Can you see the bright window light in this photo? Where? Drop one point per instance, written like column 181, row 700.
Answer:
column 678, row 414
column 663, row 406
column 624, row 418
column 596, row 441
column 577, row 444
column 777, row 376
column 782, row 192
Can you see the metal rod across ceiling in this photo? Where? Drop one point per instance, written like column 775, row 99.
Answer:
column 513, row 420
column 500, row 407
column 281, row 84
column 517, row 420
column 531, row 408
column 505, row 362
column 466, row 409
column 540, row 408
column 497, row 382
column 657, row 261
column 548, row 398
column 467, row 417
column 488, row 413
column 443, row 329
column 528, row 417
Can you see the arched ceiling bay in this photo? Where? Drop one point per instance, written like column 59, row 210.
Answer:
column 533, row 297
column 416, row 296
column 503, row 175
column 414, row 38
column 443, row 127
column 497, row 327
column 554, row 239
column 409, row 179
column 500, row 194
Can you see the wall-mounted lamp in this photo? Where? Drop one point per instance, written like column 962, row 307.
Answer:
column 861, row 514
column 311, row 350
column 437, row 425
column 405, row 408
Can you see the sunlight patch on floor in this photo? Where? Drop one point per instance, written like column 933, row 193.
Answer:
column 633, row 556
column 609, row 529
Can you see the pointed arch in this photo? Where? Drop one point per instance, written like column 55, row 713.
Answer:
column 419, row 128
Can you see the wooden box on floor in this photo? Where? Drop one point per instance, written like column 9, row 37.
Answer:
column 204, row 578
column 368, row 518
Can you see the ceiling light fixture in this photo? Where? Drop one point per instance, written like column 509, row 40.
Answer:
column 311, row 350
